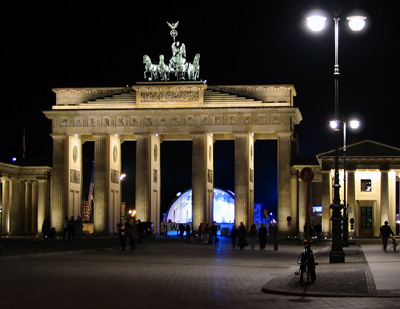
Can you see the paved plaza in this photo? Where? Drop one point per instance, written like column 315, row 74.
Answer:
column 170, row 273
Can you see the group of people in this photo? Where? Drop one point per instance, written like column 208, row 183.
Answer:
column 207, row 234
column 240, row 235
column 130, row 230
column 73, row 229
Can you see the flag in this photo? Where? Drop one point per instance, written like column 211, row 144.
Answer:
column 23, row 145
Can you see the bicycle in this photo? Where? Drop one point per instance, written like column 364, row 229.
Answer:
column 307, row 263
column 394, row 243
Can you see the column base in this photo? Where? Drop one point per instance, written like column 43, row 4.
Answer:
column 336, row 257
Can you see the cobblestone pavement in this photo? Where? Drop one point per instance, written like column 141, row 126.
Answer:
column 160, row 273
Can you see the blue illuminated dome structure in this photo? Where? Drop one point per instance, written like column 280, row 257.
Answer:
column 223, row 208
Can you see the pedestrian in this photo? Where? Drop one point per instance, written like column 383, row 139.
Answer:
column 207, row 233
column 385, row 232
column 199, row 235
column 65, row 228
column 78, row 228
column 187, row 229
column 181, row 230
column 203, row 232
column 242, row 236
column 262, row 236
column 71, row 228
column 273, row 233
column 121, row 233
column 253, row 236
column 132, row 232
column 46, row 228
column 141, row 231
column 234, row 235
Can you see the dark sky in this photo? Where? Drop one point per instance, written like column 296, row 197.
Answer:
column 90, row 43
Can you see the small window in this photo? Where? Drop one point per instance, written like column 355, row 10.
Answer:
column 366, row 185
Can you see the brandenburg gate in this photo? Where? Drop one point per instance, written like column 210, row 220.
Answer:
column 164, row 110
column 155, row 111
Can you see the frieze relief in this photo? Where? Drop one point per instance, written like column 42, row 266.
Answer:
column 170, row 96
column 173, row 120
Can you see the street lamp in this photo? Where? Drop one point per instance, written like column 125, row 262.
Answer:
column 335, row 124
column 316, row 23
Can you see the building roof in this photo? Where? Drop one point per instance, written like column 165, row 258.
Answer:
column 367, row 148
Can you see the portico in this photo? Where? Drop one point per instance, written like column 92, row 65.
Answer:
column 150, row 113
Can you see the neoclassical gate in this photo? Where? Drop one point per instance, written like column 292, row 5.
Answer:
column 152, row 112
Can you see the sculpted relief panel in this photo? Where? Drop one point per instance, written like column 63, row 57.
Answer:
column 171, row 120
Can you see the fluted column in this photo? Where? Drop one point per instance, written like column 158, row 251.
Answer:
column 244, row 179
column 143, row 177
column 43, row 210
column 6, row 210
column 58, row 184
column 202, row 178
column 100, row 184
column 17, row 214
column 28, row 207
column 326, row 201
column 284, row 163
column 384, row 215
column 351, row 195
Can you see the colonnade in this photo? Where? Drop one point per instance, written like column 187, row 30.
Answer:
column 24, row 199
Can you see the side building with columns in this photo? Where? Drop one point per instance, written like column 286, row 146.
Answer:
column 371, row 186
column 24, row 198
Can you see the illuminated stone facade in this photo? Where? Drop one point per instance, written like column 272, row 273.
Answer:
column 24, row 193
column 372, row 186
column 150, row 113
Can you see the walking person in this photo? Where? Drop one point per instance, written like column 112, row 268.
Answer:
column 46, row 227
column 78, row 228
column 385, row 232
column 132, row 232
column 234, row 235
column 273, row 233
column 262, row 236
column 187, row 229
column 121, row 234
column 65, row 228
column 71, row 229
column 242, row 236
column 253, row 236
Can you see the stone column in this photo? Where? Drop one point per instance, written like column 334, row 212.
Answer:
column 42, row 204
column 284, row 163
column 384, row 215
column 28, row 207
column 202, row 179
column 17, row 214
column 74, row 172
column 155, row 167
column 6, row 210
column 244, row 179
column 303, row 207
column 34, row 225
column 326, row 202
column 114, row 183
column 351, row 196
column 143, row 178
column 101, row 178
column 58, row 183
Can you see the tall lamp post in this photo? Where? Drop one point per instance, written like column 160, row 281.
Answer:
column 335, row 125
column 356, row 23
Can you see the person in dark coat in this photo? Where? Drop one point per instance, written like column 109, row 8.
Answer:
column 187, row 232
column 242, row 236
column 122, row 234
column 385, row 232
column 262, row 236
column 46, row 227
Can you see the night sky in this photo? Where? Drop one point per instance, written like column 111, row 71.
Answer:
column 70, row 44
